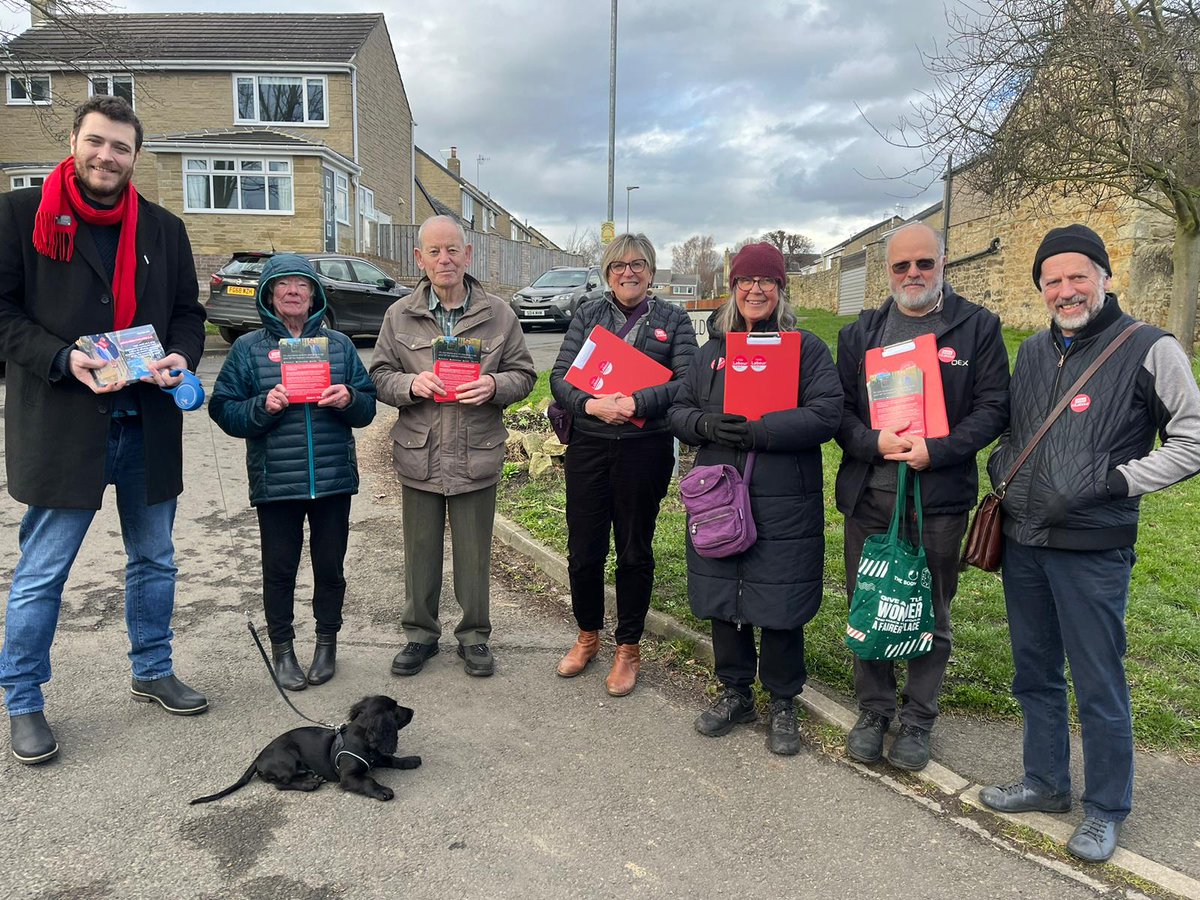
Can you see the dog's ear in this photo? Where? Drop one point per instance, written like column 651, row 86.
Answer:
column 358, row 709
column 378, row 721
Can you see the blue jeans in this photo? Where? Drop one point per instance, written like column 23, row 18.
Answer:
column 50, row 540
column 1071, row 603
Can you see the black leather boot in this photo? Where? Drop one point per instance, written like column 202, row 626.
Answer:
column 324, row 662
column 32, row 740
column 287, row 667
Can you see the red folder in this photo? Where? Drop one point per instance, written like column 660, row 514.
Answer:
column 922, row 351
column 606, row 364
column 762, row 372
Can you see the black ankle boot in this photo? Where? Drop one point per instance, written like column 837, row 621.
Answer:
column 287, row 667
column 324, row 662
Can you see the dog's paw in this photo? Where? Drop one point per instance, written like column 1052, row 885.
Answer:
column 385, row 793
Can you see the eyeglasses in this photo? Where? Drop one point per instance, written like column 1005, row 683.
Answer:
column 637, row 266
column 925, row 265
column 766, row 285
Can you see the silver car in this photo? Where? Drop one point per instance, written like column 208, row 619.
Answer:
column 553, row 298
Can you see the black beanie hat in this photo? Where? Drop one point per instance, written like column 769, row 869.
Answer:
column 1071, row 239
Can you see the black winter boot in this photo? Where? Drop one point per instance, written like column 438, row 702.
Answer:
column 324, row 662
column 287, row 667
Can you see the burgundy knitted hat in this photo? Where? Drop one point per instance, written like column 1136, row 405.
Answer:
column 757, row 261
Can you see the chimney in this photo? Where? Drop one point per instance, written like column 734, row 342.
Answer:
column 454, row 164
column 43, row 12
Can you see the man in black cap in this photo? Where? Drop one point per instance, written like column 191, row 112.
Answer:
column 1070, row 523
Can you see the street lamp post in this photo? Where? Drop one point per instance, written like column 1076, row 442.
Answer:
column 629, row 189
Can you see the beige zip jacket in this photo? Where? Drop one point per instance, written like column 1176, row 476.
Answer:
column 449, row 448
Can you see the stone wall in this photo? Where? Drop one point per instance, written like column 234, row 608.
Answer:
column 384, row 127
column 816, row 291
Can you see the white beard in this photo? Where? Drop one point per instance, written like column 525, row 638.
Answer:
column 923, row 302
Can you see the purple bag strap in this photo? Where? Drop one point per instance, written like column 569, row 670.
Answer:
column 642, row 309
column 749, row 467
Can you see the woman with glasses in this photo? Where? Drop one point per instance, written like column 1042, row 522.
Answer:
column 776, row 583
column 619, row 458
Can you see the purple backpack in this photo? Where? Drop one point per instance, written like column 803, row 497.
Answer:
column 717, row 500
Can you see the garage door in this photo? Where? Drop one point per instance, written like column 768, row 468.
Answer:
column 852, row 284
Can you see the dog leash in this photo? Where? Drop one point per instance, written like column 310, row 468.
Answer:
column 337, row 729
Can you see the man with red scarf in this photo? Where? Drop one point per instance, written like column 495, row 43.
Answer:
column 86, row 255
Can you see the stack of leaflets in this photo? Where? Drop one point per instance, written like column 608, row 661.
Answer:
column 125, row 354
column 898, row 401
column 456, row 361
column 305, row 367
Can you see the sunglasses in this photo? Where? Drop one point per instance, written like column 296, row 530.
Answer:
column 925, row 265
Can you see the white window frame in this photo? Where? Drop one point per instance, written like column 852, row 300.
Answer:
column 238, row 172
column 468, row 209
column 24, row 179
column 519, row 233
column 687, row 290
column 341, row 197
column 112, row 77
column 366, row 203
column 28, row 100
column 304, row 79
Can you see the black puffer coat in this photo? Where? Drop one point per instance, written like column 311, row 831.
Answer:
column 777, row 582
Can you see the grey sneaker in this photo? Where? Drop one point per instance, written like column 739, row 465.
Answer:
column 728, row 710
column 412, row 658
column 1095, row 840
column 1018, row 798
column 477, row 660
column 784, row 736
column 865, row 740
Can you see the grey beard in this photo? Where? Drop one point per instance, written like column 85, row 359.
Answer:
column 924, row 301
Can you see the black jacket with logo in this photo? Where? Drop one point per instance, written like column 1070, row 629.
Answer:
column 974, row 369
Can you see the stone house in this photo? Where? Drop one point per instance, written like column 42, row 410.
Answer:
column 676, row 287
column 261, row 130
column 442, row 190
column 990, row 250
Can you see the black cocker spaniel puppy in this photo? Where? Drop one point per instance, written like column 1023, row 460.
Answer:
column 304, row 758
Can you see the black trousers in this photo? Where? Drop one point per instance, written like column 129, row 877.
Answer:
column 875, row 682
column 615, row 485
column 780, row 667
column 281, row 532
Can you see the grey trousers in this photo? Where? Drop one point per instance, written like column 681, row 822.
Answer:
column 875, row 682
column 471, row 517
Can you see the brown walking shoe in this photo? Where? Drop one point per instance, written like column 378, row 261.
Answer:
column 623, row 677
column 587, row 645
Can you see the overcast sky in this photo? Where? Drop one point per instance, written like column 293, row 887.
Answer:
column 733, row 118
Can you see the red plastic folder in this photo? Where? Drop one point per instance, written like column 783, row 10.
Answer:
column 762, row 372
column 606, row 364
column 922, row 352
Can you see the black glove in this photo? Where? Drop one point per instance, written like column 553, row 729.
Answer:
column 722, row 428
column 754, row 438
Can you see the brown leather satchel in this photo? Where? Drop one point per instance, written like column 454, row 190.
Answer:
column 985, row 538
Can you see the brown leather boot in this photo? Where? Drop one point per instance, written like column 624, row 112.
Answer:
column 623, row 677
column 587, row 645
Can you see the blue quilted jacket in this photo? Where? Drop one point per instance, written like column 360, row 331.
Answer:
column 306, row 451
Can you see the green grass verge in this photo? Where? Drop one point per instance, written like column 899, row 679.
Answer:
column 1163, row 661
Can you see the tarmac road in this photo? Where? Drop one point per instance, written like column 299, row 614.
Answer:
column 533, row 786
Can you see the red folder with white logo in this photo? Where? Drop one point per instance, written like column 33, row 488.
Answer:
column 922, row 352
column 762, row 372
column 606, row 364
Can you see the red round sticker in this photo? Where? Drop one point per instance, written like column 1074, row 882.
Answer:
column 606, row 368
column 1080, row 402
column 947, row 354
column 717, row 364
column 273, row 355
column 660, row 334
column 597, row 382
column 740, row 364
column 759, row 363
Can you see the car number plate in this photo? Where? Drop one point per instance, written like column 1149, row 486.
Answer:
column 242, row 291
column 535, row 312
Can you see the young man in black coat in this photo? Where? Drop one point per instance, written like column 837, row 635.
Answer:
column 87, row 255
column 974, row 370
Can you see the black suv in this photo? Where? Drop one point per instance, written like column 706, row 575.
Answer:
column 359, row 293
column 553, row 298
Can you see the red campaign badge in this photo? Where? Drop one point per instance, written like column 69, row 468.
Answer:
column 660, row 334
column 717, row 364
column 606, row 368
column 1080, row 403
column 597, row 383
column 740, row 364
column 947, row 354
column 273, row 355
column 759, row 364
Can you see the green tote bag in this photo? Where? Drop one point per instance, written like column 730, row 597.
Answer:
column 891, row 612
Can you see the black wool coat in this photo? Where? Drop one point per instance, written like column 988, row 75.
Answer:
column 56, row 432
column 777, row 582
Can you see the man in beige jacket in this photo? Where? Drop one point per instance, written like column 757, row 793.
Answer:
column 448, row 455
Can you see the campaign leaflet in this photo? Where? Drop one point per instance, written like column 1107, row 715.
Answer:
column 898, row 400
column 125, row 354
column 456, row 361
column 305, row 366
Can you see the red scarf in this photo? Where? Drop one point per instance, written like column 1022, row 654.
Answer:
column 54, row 231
